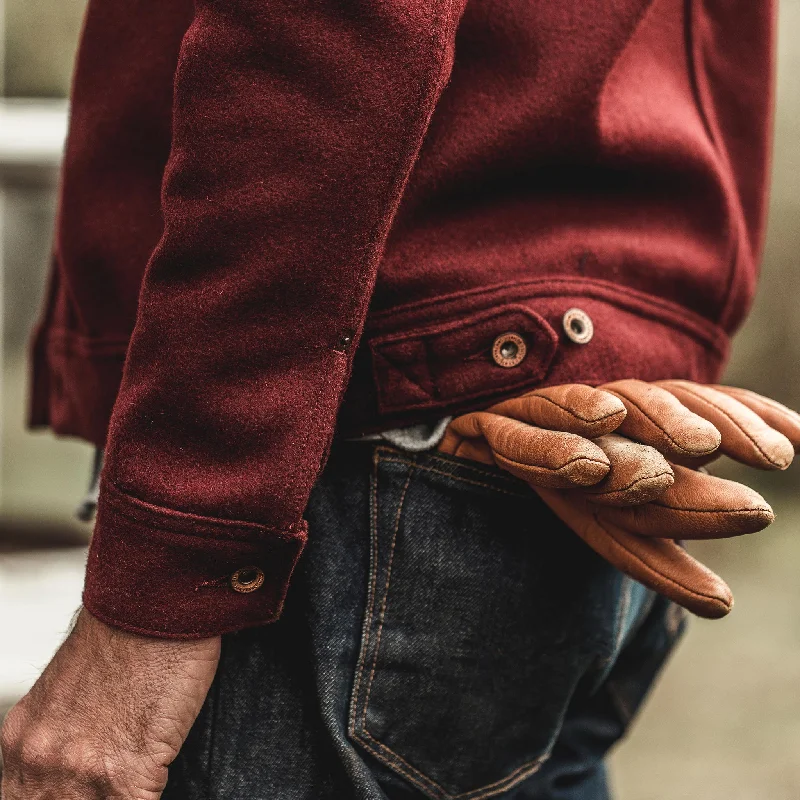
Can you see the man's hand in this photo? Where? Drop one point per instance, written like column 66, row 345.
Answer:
column 107, row 716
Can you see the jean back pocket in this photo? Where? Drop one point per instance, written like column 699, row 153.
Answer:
column 483, row 612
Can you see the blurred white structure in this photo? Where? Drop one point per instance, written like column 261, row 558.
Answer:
column 32, row 132
column 39, row 593
column 39, row 589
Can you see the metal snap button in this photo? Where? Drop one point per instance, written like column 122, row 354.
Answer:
column 247, row 579
column 578, row 326
column 509, row 349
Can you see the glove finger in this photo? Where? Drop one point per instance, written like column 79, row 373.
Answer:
column 574, row 408
column 541, row 457
column 775, row 414
column 696, row 463
column 474, row 449
column 638, row 473
column 696, row 506
column 657, row 418
column 660, row 564
column 745, row 435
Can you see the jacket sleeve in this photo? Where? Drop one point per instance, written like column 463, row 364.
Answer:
column 295, row 127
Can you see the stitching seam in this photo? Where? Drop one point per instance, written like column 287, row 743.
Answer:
column 654, row 571
column 471, row 465
column 458, row 478
column 410, row 773
column 385, row 600
column 170, row 519
column 694, row 453
column 727, row 416
column 570, row 462
column 710, row 510
column 366, row 633
column 630, row 485
column 360, row 731
column 173, row 531
column 570, row 411
column 745, row 395
column 392, row 453
column 458, row 325
column 699, row 328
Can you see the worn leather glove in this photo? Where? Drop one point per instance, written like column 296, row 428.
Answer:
column 621, row 494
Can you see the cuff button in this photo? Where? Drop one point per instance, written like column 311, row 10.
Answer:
column 578, row 326
column 509, row 349
column 247, row 579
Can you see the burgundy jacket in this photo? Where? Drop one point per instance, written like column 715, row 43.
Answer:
column 288, row 218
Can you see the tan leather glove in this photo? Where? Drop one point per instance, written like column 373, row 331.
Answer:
column 626, row 500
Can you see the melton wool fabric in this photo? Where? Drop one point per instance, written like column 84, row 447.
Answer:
column 290, row 218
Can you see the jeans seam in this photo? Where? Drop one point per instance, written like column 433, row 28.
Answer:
column 385, row 600
column 470, row 481
column 420, row 780
column 359, row 729
column 366, row 633
column 391, row 453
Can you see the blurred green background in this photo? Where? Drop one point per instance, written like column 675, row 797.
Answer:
column 724, row 722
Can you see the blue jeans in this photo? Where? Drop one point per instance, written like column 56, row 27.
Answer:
column 445, row 637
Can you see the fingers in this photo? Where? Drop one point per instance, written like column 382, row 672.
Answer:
column 574, row 408
column 542, row 457
column 775, row 414
column 475, row 449
column 660, row 564
column 696, row 506
column 745, row 436
column 657, row 418
column 638, row 473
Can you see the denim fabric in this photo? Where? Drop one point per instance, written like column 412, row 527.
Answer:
column 445, row 637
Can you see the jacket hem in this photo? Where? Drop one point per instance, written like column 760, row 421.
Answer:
column 409, row 371
column 74, row 383
column 414, row 366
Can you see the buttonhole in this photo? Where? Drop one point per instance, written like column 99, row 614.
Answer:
column 344, row 343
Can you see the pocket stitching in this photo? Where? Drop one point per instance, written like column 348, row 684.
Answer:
column 393, row 759
column 385, row 600
column 394, row 454
column 425, row 783
column 373, row 568
column 471, row 481
column 358, row 730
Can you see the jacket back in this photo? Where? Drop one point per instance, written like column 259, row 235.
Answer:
column 290, row 218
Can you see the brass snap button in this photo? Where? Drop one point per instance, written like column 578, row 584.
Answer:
column 578, row 326
column 247, row 579
column 509, row 349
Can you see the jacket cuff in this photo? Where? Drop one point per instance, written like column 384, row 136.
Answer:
column 165, row 573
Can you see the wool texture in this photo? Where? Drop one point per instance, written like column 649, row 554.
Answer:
column 288, row 219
